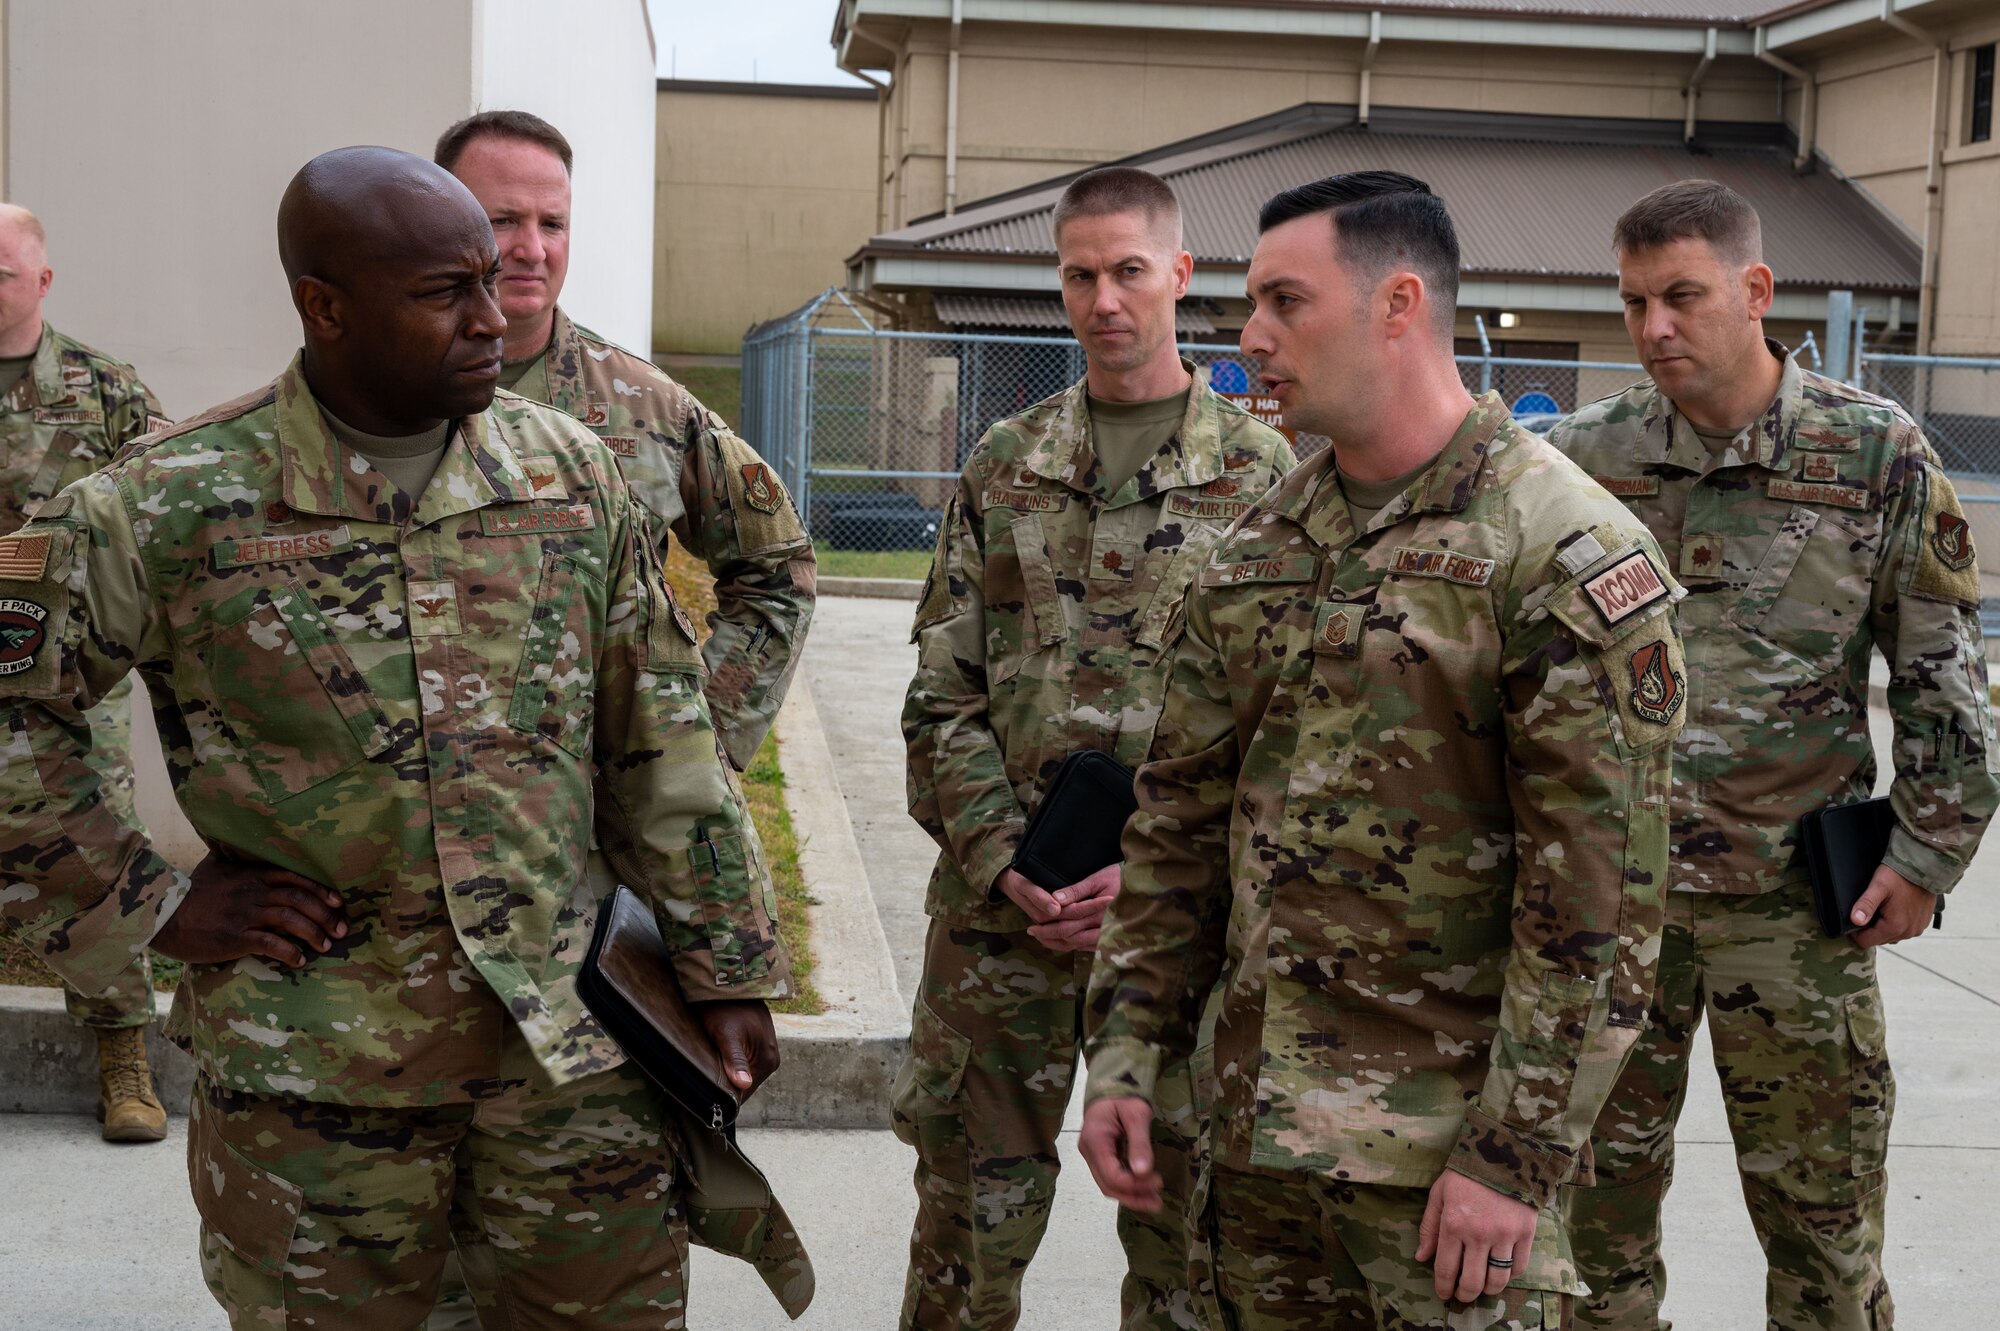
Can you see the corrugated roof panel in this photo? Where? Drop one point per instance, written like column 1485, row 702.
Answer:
column 1527, row 207
column 1719, row 12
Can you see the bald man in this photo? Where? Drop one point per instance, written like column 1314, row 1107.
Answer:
column 418, row 646
column 65, row 408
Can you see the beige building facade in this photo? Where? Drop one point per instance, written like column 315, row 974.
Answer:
column 761, row 192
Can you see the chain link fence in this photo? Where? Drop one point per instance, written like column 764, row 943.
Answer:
column 869, row 428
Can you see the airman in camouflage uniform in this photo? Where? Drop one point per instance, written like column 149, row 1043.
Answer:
column 71, row 409
column 1822, row 531
column 1042, row 631
column 696, row 476
column 1407, row 801
column 398, row 719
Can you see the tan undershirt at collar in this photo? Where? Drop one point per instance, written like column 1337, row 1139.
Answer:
column 409, row 460
column 1367, row 498
column 1125, row 435
column 515, row 373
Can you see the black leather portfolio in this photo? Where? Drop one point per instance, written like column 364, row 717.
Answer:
column 628, row 983
column 1844, row 844
column 1074, row 831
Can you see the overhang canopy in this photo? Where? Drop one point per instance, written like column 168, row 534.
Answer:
column 1032, row 312
column 1535, row 197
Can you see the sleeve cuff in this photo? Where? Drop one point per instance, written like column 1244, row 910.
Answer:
column 1930, row 869
column 993, row 856
column 1509, row 1161
column 104, row 942
column 1121, row 1067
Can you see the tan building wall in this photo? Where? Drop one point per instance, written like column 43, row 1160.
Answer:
column 1035, row 102
column 762, row 191
column 1875, row 126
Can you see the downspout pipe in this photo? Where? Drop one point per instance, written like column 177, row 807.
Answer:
column 1694, row 85
column 951, row 111
column 1933, row 171
column 881, row 146
column 1368, row 62
column 1808, row 99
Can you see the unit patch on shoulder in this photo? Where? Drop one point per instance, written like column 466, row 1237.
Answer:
column 21, row 633
column 1448, row 565
column 760, row 488
column 1626, row 588
column 1812, row 492
column 1952, row 542
column 1656, row 686
column 24, row 558
column 1629, row 487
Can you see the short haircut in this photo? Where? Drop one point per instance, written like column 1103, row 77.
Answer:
column 523, row 125
column 1693, row 210
column 1382, row 221
column 29, row 224
column 1119, row 189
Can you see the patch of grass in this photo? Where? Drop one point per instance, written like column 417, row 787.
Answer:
column 872, row 563
column 720, row 388
column 764, row 785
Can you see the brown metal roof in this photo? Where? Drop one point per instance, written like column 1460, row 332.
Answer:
column 1532, row 196
column 1721, row 13
column 1032, row 312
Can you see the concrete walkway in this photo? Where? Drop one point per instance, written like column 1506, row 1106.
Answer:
column 95, row 1237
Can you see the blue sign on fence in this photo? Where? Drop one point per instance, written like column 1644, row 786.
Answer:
column 1226, row 376
column 1537, row 402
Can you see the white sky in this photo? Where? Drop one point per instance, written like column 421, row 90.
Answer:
column 768, row 41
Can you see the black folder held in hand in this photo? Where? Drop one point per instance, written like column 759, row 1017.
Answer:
column 1075, row 829
column 1844, row 845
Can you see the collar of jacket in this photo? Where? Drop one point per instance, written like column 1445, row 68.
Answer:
column 562, row 366
column 1667, row 438
column 1192, row 457
column 1446, row 486
column 46, row 373
column 478, row 467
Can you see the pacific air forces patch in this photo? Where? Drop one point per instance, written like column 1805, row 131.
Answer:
column 1657, row 687
column 1945, row 567
column 760, row 488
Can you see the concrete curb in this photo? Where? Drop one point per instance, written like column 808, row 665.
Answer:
column 836, row 1067
column 894, row 589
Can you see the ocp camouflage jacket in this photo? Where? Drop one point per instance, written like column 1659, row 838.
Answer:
column 1826, row 531
column 423, row 710
column 1408, row 800
column 1044, row 624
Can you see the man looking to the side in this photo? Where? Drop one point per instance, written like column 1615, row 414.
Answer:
column 1408, row 801
column 1813, row 527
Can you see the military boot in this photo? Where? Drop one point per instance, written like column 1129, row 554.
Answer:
column 126, row 1104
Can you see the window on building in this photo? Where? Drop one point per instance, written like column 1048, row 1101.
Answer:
column 1982, row 94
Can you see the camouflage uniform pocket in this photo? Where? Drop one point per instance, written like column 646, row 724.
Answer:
column 298, row 742
column 555, row 683
column 244, row 1209
column 927, row 1083
column 728, row 879
column 1871, row 1085
column 1809, row 593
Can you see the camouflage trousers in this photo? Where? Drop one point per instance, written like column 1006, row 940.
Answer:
column 128, row 1001
column 338, row 1216
column 1299, row 1252
column 993, row 1053
column 1797, row 1024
